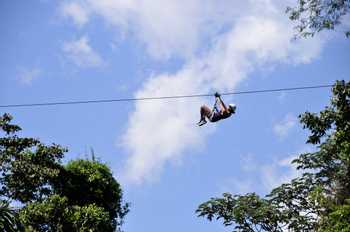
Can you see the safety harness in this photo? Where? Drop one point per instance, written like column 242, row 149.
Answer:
column 215, row 108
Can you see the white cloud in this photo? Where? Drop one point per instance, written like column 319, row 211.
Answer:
column 159, row 132
column 282, row 128
column 81, row 54
column 165, row 27
column 76, row 12
column 268, row 175
column 261, row 177
column 278, row 172
column 221, row 43
column 281, row 171
column 183, row 27
column 27, row 76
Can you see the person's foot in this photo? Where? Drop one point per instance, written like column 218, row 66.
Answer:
column 201, row 122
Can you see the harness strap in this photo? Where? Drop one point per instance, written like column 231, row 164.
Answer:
column 215, row 106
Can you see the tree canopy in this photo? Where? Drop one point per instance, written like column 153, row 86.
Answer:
column 313, row 16
column 319, row 200
column 81, row 195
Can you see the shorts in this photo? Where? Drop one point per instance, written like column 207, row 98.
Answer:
column 214, row 116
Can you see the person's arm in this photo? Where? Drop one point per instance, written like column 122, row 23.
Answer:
column 223, row 106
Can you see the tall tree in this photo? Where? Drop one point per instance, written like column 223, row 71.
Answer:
column 98, row 186
column 313, row 16
column 79, row 196
column 319, row 200
column 26, row 165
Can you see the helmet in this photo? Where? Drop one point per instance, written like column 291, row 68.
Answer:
column 232, row 107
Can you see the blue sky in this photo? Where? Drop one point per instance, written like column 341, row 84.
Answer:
column 93, row 49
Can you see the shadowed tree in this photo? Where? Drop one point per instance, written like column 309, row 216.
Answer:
column 79, row 196
column 8, row 218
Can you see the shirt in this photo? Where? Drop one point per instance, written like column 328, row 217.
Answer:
column 218, row 116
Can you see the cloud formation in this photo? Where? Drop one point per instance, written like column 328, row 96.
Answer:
column 159, row 132
column 282, row 128
column 81, row 54
column 278, row 172
column 27, row 76
column 261, row 177
column 165, row 27
column 76, row 12
column 221, row 45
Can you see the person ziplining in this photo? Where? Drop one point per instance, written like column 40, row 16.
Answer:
column 215, row 114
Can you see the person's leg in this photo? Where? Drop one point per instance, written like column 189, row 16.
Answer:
column 205, row 112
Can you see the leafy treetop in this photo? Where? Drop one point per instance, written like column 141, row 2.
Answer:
column 314, row 16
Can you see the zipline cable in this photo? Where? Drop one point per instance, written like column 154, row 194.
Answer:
column 160, row 98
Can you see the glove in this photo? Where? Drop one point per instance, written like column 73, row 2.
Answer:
column 217, row 94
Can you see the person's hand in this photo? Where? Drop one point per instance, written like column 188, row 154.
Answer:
column 217, row 94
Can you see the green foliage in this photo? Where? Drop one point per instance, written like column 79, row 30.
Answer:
column 56, row 214
column 26, row 165
column 51, row 214
column 338, row 220
column 331, row 163
column 8, row 218
column 316, row 15
column 98, row 185
column 295, row 205
column 91, row 218
column 316, row 201
column 247, row 213
column 79, row 196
